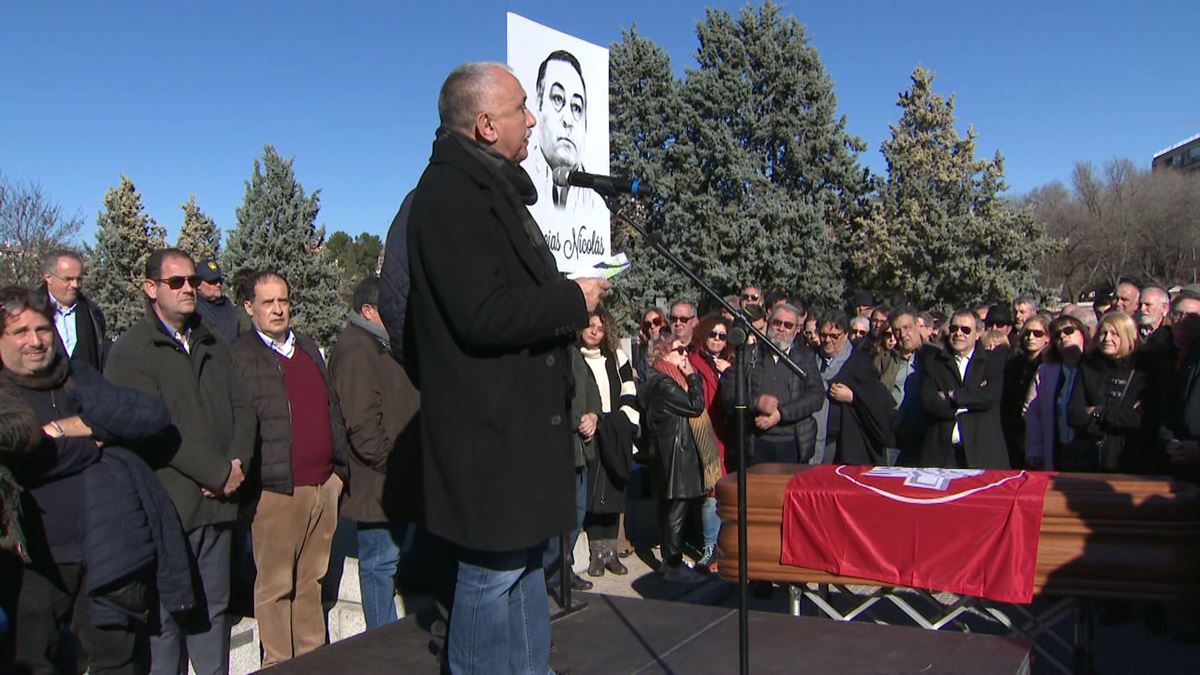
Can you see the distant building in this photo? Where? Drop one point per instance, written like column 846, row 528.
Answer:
column 1184, row 155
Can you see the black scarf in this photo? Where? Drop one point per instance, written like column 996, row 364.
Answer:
column 516, row 186
column 52, row 378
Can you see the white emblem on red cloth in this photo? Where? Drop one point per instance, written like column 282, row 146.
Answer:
column 929, row 478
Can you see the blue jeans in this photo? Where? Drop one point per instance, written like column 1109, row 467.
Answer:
column 710, row 522
column 500, row 622
column 379, row 547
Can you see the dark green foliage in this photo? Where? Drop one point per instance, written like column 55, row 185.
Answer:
column 939, row 234
column 125, row 237
column 276, row 230
column 357, row 258
column 761, row 173
column 198, row 235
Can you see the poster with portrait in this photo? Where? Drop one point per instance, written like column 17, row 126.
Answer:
column 566, row 81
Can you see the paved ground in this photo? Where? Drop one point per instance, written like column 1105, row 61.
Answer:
column 1127, row 646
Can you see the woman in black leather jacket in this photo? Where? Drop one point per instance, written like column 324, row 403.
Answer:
column 1106, row 404
column 672, row 395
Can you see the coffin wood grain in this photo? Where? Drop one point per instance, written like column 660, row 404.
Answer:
column 1102, row 535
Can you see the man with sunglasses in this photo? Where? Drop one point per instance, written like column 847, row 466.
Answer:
column 203, row 461
column 683, row 320
column 855, row 421
column 961, row 389
column 751, row 295
column 783, row 404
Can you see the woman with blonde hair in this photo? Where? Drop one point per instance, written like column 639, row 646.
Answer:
column 1106, row 406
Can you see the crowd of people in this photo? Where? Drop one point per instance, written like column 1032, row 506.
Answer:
column 195, row 466
column 478, row 394
column 1102, row 388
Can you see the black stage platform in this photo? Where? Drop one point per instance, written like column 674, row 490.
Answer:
column 626, row 635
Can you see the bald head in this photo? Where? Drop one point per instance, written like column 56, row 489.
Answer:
column 465, row 93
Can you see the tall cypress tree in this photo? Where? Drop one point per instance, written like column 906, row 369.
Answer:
column 198, row 235
column 644, row 109
column 939, row 232
column 762, row 175
column 125, row 237
column 276, row 230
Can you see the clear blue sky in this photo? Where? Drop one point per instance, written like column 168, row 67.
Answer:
column 181, row 96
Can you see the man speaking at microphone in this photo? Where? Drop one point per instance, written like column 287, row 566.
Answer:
column 491, row 322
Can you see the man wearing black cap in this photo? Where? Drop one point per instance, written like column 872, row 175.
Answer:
column 214, row 308
column 999, row 317
column 861, row 304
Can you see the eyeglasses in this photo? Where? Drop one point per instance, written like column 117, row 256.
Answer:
column 717, row 335
column 1036, row 333
column 652, row 323
column 681, row 319
column 176, row 283
column 955, row 328
column 780, row 323
column 831, row 336
column 752, row 297
column 1065, row 331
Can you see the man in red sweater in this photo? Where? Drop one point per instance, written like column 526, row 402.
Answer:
column 301, row 466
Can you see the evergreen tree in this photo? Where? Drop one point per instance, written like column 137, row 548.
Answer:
column 357, row 258
column 125, row 237
column 276, row 230
column 199, row 235
column 762, row 173
column 644, row 110
column 939, row 233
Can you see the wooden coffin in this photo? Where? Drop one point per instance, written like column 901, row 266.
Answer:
column 1102, row 536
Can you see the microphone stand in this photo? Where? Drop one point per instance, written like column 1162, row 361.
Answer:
column 741, row 406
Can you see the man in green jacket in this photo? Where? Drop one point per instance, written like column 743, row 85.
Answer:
column 172, row 355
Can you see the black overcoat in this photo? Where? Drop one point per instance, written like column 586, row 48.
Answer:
column 943, row 392
column 489, row 327
column 865, row 429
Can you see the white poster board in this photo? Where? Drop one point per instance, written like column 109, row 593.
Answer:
column 566, row 81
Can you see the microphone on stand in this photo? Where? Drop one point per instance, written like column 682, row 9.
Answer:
column 605, row 185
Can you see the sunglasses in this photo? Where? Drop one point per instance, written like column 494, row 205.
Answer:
column 176, row 283
column 750, row 296
column 955, row 328
column 857, row 332
column 831, row 336
column 996, row 324
column 681, row 350
column 1036, row 333
column 717, row 335
column 1066, row 331
column 681, row 319
column 780, row 323
column 652, row 323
